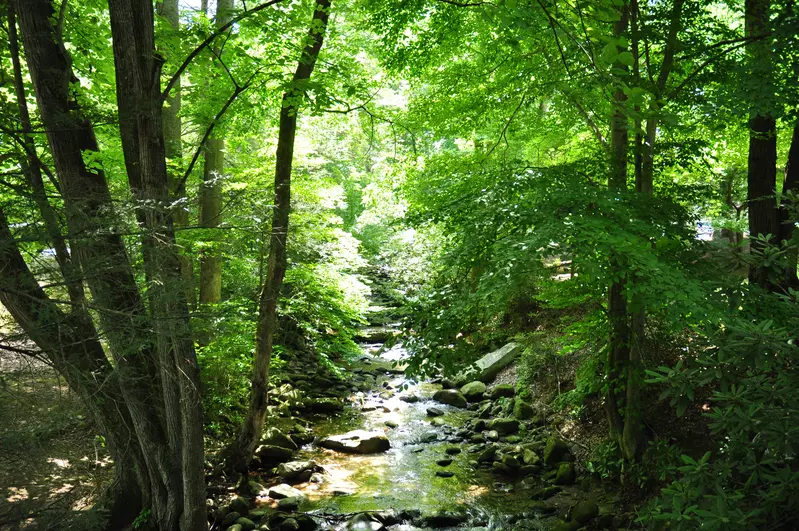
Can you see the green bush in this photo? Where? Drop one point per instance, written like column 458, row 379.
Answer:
column 749, row 481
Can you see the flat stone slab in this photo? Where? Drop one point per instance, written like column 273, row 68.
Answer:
column 357, row 442
column 486, row 368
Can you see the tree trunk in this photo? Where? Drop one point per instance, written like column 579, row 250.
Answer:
column 137, row 68
column 632, row 434
column 238, row 455
column 787, row 214
column 211, row 192
column 762, row 164
column 173, row 145
column 33, row 175
column 157, row 374
column 72, row 345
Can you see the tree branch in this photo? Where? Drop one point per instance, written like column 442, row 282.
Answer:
column 207, row 42
column 210, row 129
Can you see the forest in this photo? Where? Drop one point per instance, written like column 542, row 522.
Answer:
column 399, row 265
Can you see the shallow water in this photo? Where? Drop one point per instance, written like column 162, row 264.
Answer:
column 404, row 478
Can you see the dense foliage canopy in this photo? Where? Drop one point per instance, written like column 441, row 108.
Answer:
column 188, row 191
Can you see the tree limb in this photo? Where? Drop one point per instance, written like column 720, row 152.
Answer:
column 207, row 42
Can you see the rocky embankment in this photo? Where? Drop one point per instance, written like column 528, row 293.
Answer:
column 379, row 452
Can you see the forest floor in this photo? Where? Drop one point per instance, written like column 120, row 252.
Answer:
column 52, row 466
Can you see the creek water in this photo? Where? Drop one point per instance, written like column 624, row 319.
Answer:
column 407, row 477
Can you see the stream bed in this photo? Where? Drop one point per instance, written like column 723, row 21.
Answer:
column 443, row 466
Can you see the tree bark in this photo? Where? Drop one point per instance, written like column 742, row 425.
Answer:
column 72, row 345
column 157, row 374
column 762, row 163
column 238, row 455
column 787, row 214
column 211, row 191
column 632, row 432
column 33, row 175
column 621, row 402
column 138, row 69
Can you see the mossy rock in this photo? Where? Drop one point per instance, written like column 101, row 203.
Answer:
column 502, row 391
column 522, row 410
column 245, row 524
column 566, row 526
column 556, row 449
column 565, row 475
column 584, row 511
column 474, row 391
column 504, row 426
column 545, row 493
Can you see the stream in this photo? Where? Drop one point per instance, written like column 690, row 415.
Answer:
column 429, row 477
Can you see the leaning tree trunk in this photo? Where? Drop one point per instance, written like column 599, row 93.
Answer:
column 762, row 164
column 71, row 343
column 31, row 169
column 211, row 191
column 238, row 455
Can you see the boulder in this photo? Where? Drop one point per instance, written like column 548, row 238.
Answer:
column 522, row 410
column 301, row 435
column 290, row 524
column 293, row 469
column 487, row 455
column 357, row 442
column 239, row 505
column 544, row 493
column 486, row 368
column 279, row 492
column 444, row 473
column 451, row 397
column 288, row 504
column 555, row 451
column 511, row 462
column 428, row 437
column 411, row 399
column 275, row 437
column 502, row 391
column 530, row 457
column 230, row 519
column 434, row 412
column 258, row 514
column 273, row 454
column 565, row 475
column 326, row 405
column 584, row 511
column 474, row 391
column 504, row 426
column 245, row 524
column 444, row 519
column 566, row 526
